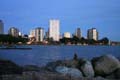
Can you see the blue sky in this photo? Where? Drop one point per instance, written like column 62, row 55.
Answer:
column 29, row 14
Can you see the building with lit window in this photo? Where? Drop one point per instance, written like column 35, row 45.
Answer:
column 92, row 34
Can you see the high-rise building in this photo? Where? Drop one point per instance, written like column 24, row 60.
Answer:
column 67, row 35
column 54, row 30
column 78, row 33
column 39, row 34
column 92, row 34
column 1, row 27
column 13, row 31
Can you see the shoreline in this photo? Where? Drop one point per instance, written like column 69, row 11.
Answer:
column 53, row 45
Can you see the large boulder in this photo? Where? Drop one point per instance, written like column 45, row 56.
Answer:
column 87, row 68
column 105, row 65
column 73, row 72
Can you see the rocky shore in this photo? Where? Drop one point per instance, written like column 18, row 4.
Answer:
column 106, row 67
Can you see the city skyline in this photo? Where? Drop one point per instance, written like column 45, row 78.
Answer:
column 54, row 24
column 27, row 14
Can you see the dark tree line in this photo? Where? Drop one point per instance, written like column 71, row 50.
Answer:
column 76, row 40
column 12, row 40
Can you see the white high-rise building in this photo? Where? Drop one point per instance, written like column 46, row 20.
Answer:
column 13, row 31
column 54, row 30
column 1, row 27
column 92, row 34
column 39, row 34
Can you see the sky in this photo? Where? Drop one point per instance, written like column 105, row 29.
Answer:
column 104, row 15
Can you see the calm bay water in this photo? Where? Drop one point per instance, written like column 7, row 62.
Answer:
column 40, row 55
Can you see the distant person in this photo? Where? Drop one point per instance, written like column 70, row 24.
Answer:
column 75, row 57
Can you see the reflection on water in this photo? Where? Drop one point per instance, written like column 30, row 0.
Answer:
column 40, row 55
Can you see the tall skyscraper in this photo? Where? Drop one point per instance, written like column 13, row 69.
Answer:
column 54, row 30
column 78, row 33
column 13, row 31
column 92, row 34
column 1, row 27
column 39, row 34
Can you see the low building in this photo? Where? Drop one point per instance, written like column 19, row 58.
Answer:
column 67, row 35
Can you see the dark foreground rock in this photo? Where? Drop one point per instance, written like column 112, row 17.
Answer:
column 8, row 67
column 114, row 75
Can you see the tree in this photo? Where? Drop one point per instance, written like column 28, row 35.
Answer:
column 65, row 40
column 82, row 40
column 105, row 41
column 10, row 39
column 91, row 41
column 75, row 39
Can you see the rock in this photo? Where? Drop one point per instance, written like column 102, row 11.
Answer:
column 8, row 67
column 71, row 63
column 52, row 65
column 73, row 72
column 100, row 78
column 68, row 63
column 105, row 65
column 31, row 75
column 117, row 73
column 31, row 68
column 87, row 68
column 111, row 76
column 62, row 69
column 11, row 77
column 114, row 75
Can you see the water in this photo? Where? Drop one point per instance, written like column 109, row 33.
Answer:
column 40, row 55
